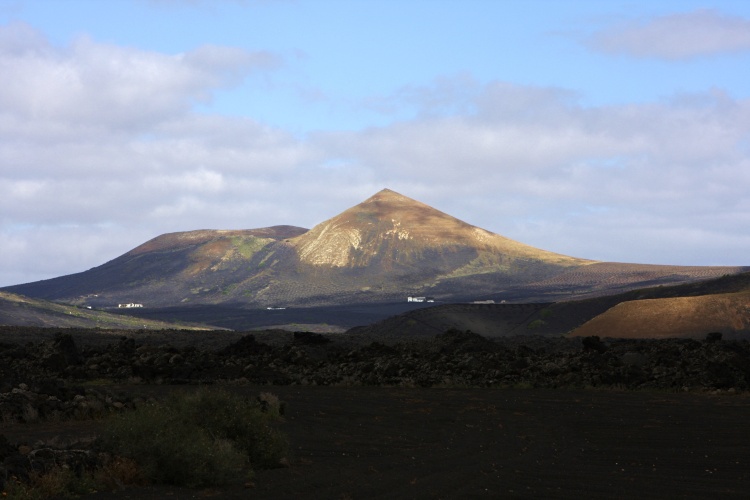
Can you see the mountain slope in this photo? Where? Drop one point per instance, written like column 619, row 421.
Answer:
column 17, row 310
column 381, row 250
column 393, row 230
column 685, row 310
column 673, row 317
column 165, row 270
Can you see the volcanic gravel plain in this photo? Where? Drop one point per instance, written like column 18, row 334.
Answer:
column 456, row 415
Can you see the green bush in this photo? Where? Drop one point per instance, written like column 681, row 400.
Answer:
column 204, row 438
column 537, row 323
column 245, row 423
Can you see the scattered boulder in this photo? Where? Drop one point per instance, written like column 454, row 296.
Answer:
column 35, row 388
column 310, row 338
column 593, row 343
column 632, row 358
column 713, row 337
column 246, row 346
column 60, row 352
column 457, row 342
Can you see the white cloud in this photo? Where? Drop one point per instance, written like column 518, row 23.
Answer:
column 111, row 154
column 676, row 36
column 196, row 181
column 445, row 96
column 90, row 84
column 41, row 251
column 527, row 154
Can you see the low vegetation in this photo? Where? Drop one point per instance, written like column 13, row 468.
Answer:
column 209, row 437
column 64, row 482
column 202, row 439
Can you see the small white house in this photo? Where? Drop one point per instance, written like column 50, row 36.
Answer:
column 420, row 299
column 129, row 305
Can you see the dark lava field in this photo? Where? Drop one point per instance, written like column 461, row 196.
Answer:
column 456, row 415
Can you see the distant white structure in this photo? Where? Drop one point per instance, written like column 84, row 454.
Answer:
column 130, row 305
column 420, row 299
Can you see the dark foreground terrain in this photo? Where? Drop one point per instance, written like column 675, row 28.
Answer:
column 484, row 443
column 454, row 416
column 450, row 443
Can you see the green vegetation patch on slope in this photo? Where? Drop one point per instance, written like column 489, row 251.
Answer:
column 484, row 263
column 247, row 246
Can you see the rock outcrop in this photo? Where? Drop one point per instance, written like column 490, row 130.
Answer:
column 451, row 359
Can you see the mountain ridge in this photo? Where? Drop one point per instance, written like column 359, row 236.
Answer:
column 396, row 217
column 381, row 250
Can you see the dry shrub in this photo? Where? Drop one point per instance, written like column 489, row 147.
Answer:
column 270, row 403
column 118, row 473
column 201, row 439
column 59, row 482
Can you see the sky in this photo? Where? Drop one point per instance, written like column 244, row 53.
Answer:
column 609, row 130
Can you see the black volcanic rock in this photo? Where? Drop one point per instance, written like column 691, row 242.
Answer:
column 454, row 358
column 246, row 346
column 457, row 342
column 60, row 352
column 310, row 338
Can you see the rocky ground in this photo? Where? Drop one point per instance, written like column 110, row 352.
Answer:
column 453, row 415
column 452, row 359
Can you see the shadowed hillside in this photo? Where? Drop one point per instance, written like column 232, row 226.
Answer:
column 168, row 270
column 380, row 251
column 686, row 310
column 18, row 310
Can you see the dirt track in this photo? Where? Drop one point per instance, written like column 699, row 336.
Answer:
column 488, row 443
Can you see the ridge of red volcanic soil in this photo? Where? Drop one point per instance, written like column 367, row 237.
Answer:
column 672, row 317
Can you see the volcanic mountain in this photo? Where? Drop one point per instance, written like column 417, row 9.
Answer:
column 390, row 231
column 381, row 250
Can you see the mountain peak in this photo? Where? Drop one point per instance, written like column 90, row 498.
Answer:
column 385, row 194
column 397, row 230
column 391, row 198
column 389, row 203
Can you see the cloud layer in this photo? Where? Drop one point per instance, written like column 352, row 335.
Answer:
column 102, row 150
column 677, row 36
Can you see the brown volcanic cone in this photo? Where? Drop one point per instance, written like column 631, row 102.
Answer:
column 381, row 250
column 396, row 230
column 694, row 317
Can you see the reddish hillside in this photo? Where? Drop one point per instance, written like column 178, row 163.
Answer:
column 673, row 317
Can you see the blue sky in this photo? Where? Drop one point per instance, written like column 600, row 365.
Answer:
column 607, row 130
